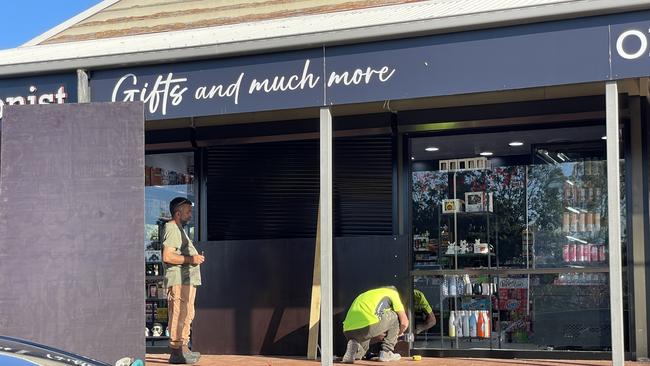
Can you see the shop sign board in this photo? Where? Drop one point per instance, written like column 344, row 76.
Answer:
column 266, row 82
column 544, row 54
column 49, row 89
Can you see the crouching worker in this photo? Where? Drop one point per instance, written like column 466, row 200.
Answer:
column 424, row 318
column 374, row 313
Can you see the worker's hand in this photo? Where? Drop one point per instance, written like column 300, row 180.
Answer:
column 402, row 329
column 198, row 259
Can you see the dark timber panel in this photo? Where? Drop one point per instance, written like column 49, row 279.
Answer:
column 71, row 227
column 255, row 294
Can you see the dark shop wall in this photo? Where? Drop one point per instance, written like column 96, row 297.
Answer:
column 255, row 297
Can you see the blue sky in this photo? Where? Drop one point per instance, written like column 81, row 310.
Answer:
column 23, row 20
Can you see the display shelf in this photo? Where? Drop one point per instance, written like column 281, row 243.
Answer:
column 465, row 213
column 467, row 295
column 473, row 255
column 153, row 299
column 153, row 278
column 161, row 338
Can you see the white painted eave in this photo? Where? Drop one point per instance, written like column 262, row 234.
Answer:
column 380, row 23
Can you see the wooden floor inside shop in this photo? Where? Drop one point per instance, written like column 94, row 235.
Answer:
column 207, row 360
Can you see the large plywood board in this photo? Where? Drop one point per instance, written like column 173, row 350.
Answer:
column 72, row 227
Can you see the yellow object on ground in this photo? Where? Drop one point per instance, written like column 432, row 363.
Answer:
column 417, row 358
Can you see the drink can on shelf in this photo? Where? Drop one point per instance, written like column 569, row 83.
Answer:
column 586, row 253
column 594, row 253
column 589, row 222
column 574, row 221
column 566, row 222
column 580, row 248
column 601, row 253
column 581, row 221
column 572, row 252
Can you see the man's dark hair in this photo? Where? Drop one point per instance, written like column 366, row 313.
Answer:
column 176, row 204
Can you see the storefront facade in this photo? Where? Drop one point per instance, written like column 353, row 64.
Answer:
column 475, row 167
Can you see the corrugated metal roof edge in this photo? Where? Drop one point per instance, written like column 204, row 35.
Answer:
column 58, row 57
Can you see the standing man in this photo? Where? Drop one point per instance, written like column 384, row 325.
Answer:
column 372, row 314
column 182, row 276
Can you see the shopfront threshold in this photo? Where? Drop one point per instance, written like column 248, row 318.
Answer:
column 231, row 360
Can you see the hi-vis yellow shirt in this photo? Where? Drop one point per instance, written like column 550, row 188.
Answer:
column 368, row 308
column 420, row 303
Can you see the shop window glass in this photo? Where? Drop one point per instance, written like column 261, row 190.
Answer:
column 518, row 238
column 166, row 176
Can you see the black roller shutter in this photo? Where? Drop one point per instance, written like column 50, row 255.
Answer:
column 363, row 187
column 271, row 190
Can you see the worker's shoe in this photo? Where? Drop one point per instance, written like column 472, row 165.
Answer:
column 351, row 351
column 195, row 355
column 179, row 357
column 386, row 356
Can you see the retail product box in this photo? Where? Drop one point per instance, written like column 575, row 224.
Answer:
column 463, row 164
column 156, row 176
column 479, row 202
column 161, row 314
column 420, row 242
column 152, row 256
column 452, row 205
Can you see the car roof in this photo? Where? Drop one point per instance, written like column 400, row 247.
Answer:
column 14, row 349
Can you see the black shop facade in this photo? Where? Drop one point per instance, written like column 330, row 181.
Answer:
column 471, row 167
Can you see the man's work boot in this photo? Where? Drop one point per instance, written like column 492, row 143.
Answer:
column 178, row 357
column 351, row 351
column 387, row 356
column 195, row 355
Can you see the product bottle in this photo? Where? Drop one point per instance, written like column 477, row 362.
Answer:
column 487, row 330
column 480, row 326
column 468, row 284
column 452, row 285
column 458, row 323
column 452, row 324
column 466, row 317
column 472, row 324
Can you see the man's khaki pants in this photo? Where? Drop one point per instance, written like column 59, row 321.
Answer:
column 180, row 299
column 388, row 324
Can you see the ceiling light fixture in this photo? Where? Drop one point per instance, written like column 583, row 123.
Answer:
column 572, row 238
column 486, row 153
column 516, row 143
column 431, row 148
column 604, row 138
column 573, row 210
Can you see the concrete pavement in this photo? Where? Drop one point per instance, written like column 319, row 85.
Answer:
column 229, row 360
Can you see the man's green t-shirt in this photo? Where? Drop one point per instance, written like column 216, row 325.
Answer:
column 368, row 307
column 180, row 274
column 420, row 303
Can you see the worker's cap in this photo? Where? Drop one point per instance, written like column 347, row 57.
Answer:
column 178, row 202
